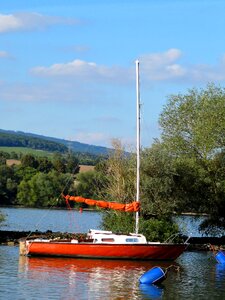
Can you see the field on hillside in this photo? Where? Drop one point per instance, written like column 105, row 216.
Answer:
column 86, row 162
column 24, row 150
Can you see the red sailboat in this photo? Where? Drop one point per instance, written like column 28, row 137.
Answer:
column 106, row 244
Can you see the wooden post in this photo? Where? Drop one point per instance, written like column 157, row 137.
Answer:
column 22, row 247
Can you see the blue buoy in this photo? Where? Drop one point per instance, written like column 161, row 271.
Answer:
column 220, row 257
column 153, row 276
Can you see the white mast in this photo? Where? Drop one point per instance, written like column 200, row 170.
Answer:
column 138, row 143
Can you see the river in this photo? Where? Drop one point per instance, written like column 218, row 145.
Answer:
column 199, row 275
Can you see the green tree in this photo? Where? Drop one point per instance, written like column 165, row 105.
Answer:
column 191, row 186
column 42, row 190
column 29, row 160
column 193, row 129
column 159, row 229
column 157, row 188
column 2, row 160
column 3, row 157
column 193, row 124
column 44, row 165
column 119, row 222
column 8, row 186
column 89, row 184
column 120, row 171
column 24, row 173
column 59, row 163
column 72, row 163
column 156, row 193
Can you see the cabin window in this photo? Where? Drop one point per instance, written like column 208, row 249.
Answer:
column 109, row 240
column 132, row 240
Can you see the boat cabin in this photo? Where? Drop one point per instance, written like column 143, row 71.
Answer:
column 102, row 237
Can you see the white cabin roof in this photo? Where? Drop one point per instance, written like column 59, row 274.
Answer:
column 102, row 236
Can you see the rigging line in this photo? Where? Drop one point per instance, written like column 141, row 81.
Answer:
column 57, row 199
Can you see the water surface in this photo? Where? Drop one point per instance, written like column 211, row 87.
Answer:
column 25, row 219
column 199, row 275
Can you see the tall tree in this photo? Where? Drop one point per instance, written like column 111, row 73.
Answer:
column 157, row 184
column 193, row 124
column 120, row 170
column 193, row 127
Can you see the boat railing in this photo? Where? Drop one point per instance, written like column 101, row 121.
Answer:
column 173, row 236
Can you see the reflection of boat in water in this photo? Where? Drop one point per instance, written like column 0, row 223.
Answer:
column 105, row 244
column 85, row 265
column 101, row 278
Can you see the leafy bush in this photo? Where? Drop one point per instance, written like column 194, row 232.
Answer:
column 158, row 229
column 118, row 221
column 153, row 229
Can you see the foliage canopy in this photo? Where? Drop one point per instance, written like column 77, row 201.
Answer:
column 193, row 128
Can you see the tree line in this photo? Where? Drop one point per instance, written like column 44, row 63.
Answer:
column 36, row 181
column 183, row 171
column 18, row 140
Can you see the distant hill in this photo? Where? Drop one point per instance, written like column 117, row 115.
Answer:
column 12, row 138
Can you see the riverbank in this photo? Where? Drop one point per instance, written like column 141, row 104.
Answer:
column 12, row 238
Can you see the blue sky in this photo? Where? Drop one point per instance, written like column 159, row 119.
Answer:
column 67, row 68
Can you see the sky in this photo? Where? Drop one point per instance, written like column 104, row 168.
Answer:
column 67, row 67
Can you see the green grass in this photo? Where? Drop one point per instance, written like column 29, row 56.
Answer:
column 24, row 150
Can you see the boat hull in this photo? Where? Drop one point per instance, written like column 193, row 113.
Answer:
column 106, row 251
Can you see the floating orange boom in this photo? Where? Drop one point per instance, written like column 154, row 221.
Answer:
column 130, row 207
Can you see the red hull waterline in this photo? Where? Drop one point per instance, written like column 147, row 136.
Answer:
column 106, row 251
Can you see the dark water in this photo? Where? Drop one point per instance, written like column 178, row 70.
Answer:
column 199, row 275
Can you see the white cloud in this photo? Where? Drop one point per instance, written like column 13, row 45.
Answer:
column 76, row 67
column 158, row 67
column 30, row 21
column 89, row 71
column 162, row 66
column 165, row 66
column 9, row 23
column 70, row 79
